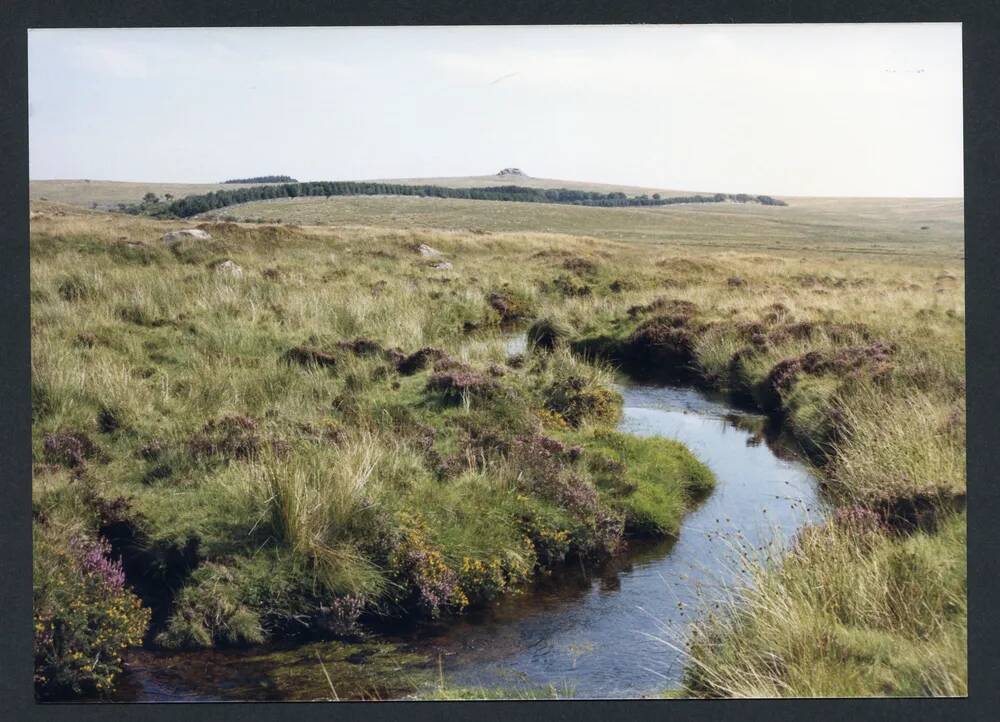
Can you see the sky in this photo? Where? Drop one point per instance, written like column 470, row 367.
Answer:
column 830, row 110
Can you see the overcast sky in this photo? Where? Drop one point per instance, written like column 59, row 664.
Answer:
column 778, row 109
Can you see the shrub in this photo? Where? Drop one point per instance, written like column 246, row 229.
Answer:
column 84, row 616
column 208, row 610
column 427, row 583
column 547, row 333
column 75, row 288
column 69, row 448
column 482, row 580
column 511, row 305
column 231, row 437
column 457, row 385
column 576, row 399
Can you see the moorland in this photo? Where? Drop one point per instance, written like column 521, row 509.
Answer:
column 304, row 421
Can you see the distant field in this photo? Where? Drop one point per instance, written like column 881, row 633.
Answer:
column 108, row 194
column 860, row 225
column 482, row 181
column 927, row 226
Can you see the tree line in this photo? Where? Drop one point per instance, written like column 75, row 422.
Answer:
column 263, row 179
column 194, row 204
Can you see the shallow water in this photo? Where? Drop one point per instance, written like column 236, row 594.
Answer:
column 588, row 631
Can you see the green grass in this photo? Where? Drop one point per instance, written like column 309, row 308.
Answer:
column 108, row 194
column 399, row 492
column 805, row 226
column 392, row 492
column 641, row 475
column 847, row 613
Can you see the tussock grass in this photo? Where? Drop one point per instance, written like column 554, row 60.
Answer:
column 312, row 498
column 354, row 480
column 907, row 445
column 849, row 611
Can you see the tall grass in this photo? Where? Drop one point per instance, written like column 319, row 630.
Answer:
column 849, row 611
column 900, row 445
column 343, row 456
column 313, row 499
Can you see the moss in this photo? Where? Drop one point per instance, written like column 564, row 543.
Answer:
column 654, row 481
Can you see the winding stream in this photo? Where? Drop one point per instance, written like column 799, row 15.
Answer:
column 587, row 632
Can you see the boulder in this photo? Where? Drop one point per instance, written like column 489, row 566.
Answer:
column 424, row 250
column 229, row 268
column 442, row 266
column 195, row 233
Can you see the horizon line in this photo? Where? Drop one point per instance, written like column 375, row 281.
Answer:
column 488, row 175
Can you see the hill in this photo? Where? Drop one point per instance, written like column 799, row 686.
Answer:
column 108, row 194
column 857, row 225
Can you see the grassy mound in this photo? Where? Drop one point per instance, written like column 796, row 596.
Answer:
column 653, row 481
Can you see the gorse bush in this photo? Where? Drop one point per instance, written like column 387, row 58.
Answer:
column 84, row 615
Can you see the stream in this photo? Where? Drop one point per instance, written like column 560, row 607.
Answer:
column 587, row 632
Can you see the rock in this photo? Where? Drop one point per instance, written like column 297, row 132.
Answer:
column 229, row 268
column 442, row 266
column 196, row 233
column 424, row 250
column 512, row 171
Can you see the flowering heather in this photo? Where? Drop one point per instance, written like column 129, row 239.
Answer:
column 84, row 616
column 94, row 560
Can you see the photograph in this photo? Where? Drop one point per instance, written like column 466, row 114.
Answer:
column 497, row 362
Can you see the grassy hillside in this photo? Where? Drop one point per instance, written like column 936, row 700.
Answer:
column 333, row 433
column 480, row 181
column 108, row 194
column 908, row 226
